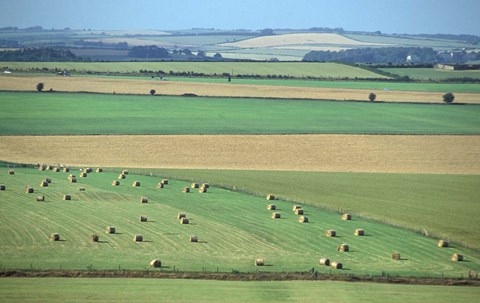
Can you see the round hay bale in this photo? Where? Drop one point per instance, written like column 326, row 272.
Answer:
column 143, row 218
column 87, row 170
column 11, row 172
column 67, row 197
column 99, row 170
column 156, row 263
column 3, row 187
column 56, row 169
column 259, row 262
column 181, row 215
column 343, row 247
column 136, row 184
column 94, row 237
column 193, row 239
column 66, row 169
column 44, row 183
column 81, row 189
column 49, row 167
column 205, row 185
column 83, row 175
column 144, row 199
column 202, row 190
column 270, row 197
column 164, row 181
column 110, row 230
column 29, row 190
column 442, row 243
column 457, row 257
column 195, row 185
column 49, row 180
column 121, row 176
column 336, row 265
column 184, row 220
column 72, row 178
column 324, row 261
column 396, row 256
column 115, row 183
column 346, row 217
column 160, row 185
column 295, row 207
column 331, row 233
column 125, row 172
column 42, row 167
column 299, row 211
column 303, row 219
column 40, row 198
column 359, row 232
column 271, row 207
column 54, row 237
column 276, row 216
column 138, row 238
column 186, row 190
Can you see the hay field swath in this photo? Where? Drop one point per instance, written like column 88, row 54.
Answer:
column 233, row 229
column 133, row 86
column 429, row 74
column 148, row 290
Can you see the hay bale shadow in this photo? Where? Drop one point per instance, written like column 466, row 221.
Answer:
column 100, row 241
column 203, row 242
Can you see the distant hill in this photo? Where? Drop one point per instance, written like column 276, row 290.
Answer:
column 244, row 44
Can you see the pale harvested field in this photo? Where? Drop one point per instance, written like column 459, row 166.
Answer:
column 313, row 48
column 332, row 153
column 132, row 41
column 132, row 86
column 295, row 39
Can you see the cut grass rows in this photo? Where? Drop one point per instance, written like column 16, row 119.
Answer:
column 233, row 229
column 148, row 290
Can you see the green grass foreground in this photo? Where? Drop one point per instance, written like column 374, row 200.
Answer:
column 77, row 114
column 155, row 290
column 442, row 205
column 233, row 230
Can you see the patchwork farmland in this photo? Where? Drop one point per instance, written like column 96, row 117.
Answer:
column 406, row 172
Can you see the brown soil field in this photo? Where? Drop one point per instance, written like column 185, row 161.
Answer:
column 333, row 153
column 132, row 86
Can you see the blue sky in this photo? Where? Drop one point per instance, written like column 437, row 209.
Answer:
column 389, row 16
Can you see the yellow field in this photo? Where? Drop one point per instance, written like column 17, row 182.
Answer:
column 332, row 153
column 132, row 86
column 296, row 39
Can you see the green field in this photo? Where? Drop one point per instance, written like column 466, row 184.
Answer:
column 431, row 74
column 151, row 290
column 233, row 229
column 377, row 85
column 292, row 69
column 59, row 113
column 416, row 201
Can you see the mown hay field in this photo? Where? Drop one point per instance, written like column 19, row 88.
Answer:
column 133, row 86
column 79, row 114
column 341, row 153
column 233, row 230
column 429, row 74
column 292, row 69
column 62, row 290
column 298, row 39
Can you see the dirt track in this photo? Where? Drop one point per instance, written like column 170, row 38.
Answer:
column 132, row 86
column 335, row 153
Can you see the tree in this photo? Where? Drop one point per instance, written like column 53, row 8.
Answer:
column 448, row 97
column 152, row 92
column 217, row 56
column 372, row 97
column 40, row 86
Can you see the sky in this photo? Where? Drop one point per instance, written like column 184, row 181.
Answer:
column 388, row 16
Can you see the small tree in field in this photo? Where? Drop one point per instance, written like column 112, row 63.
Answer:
column 372, row 97
column 448, row 97
column 40, row 86
column 152, row 92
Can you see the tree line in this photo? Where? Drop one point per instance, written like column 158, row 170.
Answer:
column 393, row 55
column 40, row 55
